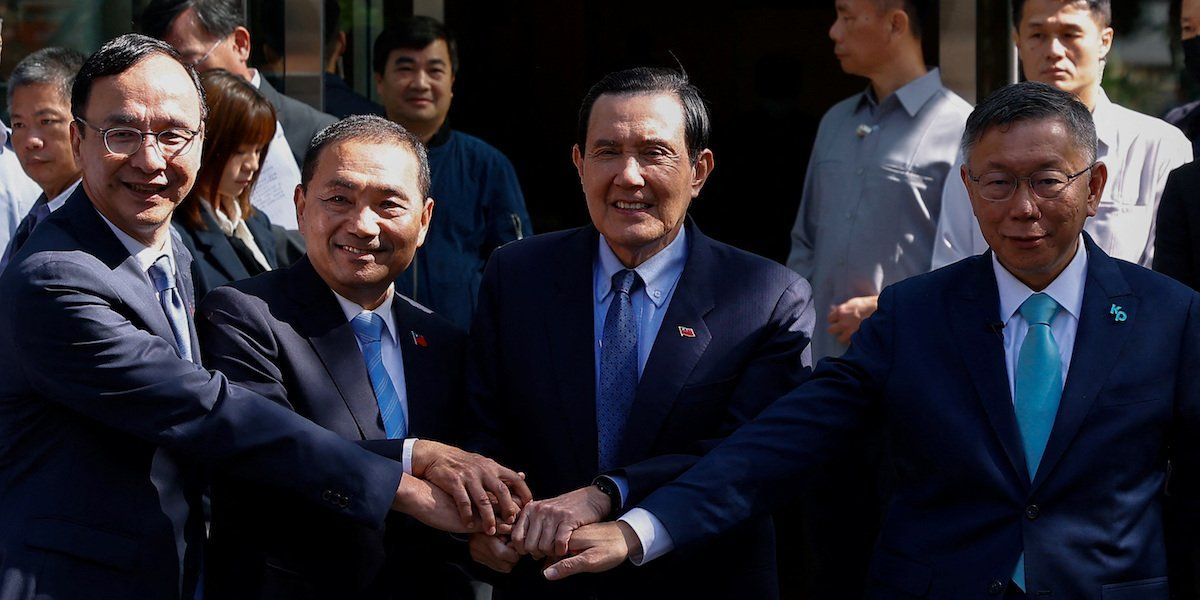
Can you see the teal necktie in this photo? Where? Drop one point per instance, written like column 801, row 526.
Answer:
column 1038, row 388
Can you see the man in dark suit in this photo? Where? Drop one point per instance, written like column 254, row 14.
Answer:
column 290, row 336
column 1053, row 490
column 629, row 347
column 1177, row 237
column 108, row 419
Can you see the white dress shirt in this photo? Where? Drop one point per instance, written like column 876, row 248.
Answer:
column 17, row 191
column 58, row 201
column 274, row 191
column 393, row 359
column 1067, row 291
column 1139, row 150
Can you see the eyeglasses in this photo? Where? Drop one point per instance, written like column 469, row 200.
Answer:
column 1047, row 184
column 170, row 143
column 199, row 61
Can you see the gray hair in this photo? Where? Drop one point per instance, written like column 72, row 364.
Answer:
column 367, row 128
column 1032, row 101
column 53, row 66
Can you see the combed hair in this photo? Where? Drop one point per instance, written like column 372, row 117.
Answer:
column 413, row 33
column 218, row 17
column 1101, row 11
column 697, row 125
column 918, row 11
column 370, row 129
column 54, row 66
column 1032, row 101
column 116, row 57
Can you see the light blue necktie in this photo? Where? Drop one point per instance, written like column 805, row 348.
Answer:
column 618, row 368
column 368, row 328
column 1038, row 388
column 172, row 304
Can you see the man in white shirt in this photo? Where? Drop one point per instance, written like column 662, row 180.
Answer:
column 17, row 190
column 1064, row 44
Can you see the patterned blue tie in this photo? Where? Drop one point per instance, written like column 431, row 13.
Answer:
column 172, row 304
column 1038, row 388
column 618, row 368
column 368, row 328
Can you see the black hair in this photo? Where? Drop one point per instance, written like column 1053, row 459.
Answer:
column 697, row 125
column 412, row 34
column 218, row 17
column 1032, row 101
column 55, row 66
column 1101, row 11
column 118, row 56
column 366, row 128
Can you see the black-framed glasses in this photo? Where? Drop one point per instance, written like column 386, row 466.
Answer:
column 1047, row 184
column 170, row 143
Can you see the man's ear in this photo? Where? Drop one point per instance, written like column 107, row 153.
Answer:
column 1096, row 183
column 1106, row 40
column 701, row 169
column 241, row 43
column 577, row 158
column 299, row 199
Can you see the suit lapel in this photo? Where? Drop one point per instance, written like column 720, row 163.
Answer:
column 571, row 339
column 212, row 241
column 982, row 349
column 331, row 337
column 1098, row 343
column 420, row 362
column 673, row 356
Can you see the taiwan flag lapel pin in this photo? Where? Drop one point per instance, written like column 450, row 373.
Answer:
column 686, row 332
column 419, row 339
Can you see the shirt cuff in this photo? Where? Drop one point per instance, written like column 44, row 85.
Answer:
column 406, row 457
column 650, row 532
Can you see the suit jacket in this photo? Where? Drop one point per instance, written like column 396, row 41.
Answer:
column 300, row 121
column 1177, row 241
column 215, row 261
column 103, row 427
column 964, row 506
column 283, row 335
column 533, row 391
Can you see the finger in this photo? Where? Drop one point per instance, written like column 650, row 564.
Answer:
column 562, row 539
column 586, row 562
column 462, row 500
column 518, row 486
column 533, row 535
column 504, row 502
column 546, row 539
column 517, row 537
column 505, row 554
column 483, row 508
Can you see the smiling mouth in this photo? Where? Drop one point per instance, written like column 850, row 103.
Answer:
column 356, row 250
column 631, row 205
column 147, row 189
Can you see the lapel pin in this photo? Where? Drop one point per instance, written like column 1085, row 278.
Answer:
column 863, row 130
column 1118, row 315
column 686, row 332
column 419, row 339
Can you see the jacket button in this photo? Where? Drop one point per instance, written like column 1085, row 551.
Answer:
column 996, row 587
column 1032, row 511
column 327, row 496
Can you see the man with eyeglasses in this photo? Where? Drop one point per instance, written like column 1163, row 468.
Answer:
column 1064, row 43
column 109, row 426
column 212, row 34
column 1033, row 397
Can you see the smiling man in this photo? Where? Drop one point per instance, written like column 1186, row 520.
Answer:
column 627, row 348
column 1064, row 43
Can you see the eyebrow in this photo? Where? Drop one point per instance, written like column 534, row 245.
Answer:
column 125, row 119
column 654, row 141
column 408, row 60
column 346, row 184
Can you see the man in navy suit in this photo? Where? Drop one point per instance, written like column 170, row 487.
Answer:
column 363, row 208
column 1032, row 395
column 630, row 347
column 107, row 421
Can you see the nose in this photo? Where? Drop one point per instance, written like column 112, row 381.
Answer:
column 252, row 162
column 835, row 30
column 148, row 157
column 420, row 79
column 1056, row 49
column 365, row 223
column 630, row 174
column 34, row 142
column 1024, row 205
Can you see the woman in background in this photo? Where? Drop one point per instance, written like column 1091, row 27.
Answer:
column 228, row 239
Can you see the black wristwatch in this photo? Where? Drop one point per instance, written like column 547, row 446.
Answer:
column 609, row 488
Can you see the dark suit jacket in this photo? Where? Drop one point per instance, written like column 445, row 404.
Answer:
column 300, row 121
column 533, row 390
column 215, row 262
column 283, row 335
column 964, row 506
column 1177, row 230
column 103, row 426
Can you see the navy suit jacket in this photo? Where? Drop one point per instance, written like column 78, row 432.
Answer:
column 103, row 428
column 215, row 262
column 964, row 507
column 533, row 389
column 283, row 335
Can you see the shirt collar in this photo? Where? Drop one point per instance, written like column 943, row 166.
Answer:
column 384, row 310
column 1066, row 289
column 912, row 95
column 659, row 273
column 58, row 201
column 144, row 254
column 3, row 136
column 255, row 80
column 1105, row 119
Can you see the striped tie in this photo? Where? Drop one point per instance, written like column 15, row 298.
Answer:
column 368, row 328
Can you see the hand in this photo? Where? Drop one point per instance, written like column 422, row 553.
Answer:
column 596, row 548
column 493, row 552
column 544, row 526
column 469, row 478
column 429, row 505
column 845, row 318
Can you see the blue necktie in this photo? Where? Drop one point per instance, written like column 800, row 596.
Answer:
column 618, row 368
column 368, row 328
column 172, row 304
column 37, row 214
column 1038, row 388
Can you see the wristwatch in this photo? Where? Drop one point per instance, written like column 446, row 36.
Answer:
column 609, row 488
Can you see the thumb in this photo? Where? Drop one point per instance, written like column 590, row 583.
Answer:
column 580, row 563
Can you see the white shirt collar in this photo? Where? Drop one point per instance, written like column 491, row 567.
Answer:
column 1066, row 289
column 58, row 201
column 144, row 254
column 384, row 310
column 659, row 273
column 255, row 80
